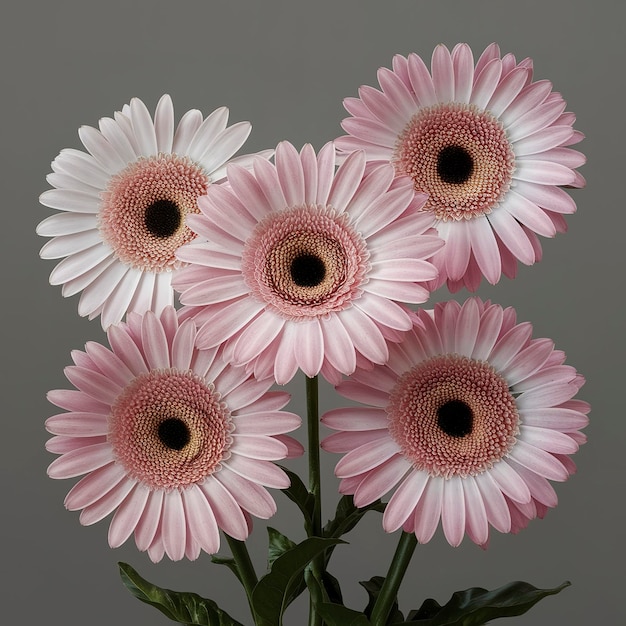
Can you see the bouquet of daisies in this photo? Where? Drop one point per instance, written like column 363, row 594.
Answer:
column 292, row 259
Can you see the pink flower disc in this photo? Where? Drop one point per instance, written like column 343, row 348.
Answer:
column 452, row 415
column 144, row 208
column 169, row 429
column 305, row 262
column 460, row 156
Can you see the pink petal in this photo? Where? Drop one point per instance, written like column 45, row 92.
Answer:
column 249, row 496
column 397, row 92
column 310, row 343
column 366, row 457
column 260, row 472
column 485, row 249
column 512, row 235
column 228, row 514
column 174, row 528
column 338, row 346
column 475, row 512
column 290, row 173
column 403, row 502
column 421, row 81
column 443, row 74
column 467, row 328
column 258, row 447
column 143, row 127
column 453, row 511
column 548, row 440
column 485, row 83
column 107, row 504
column 543, row 172
column 429, row 509
column 380, row 480
column 94, row 486
column 356, row 418
column 200, row 519
column 148, row 525
column 496, row 507
column 539, row 461
column 463, row 62
column 127, row 516
column 365, row 335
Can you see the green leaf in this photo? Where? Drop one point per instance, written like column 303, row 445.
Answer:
column 332, row 588
column 348, row 515
column 278, row 545
column 373, row 587
column 338, row 615
column 185, row 608
column 279, row 587
column 230, row 563
column 298, row 493
column 476, row 606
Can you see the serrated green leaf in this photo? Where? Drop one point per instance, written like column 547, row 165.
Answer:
column 182, row 607
column 276, row 589
column 301, row 496
column 373, row 587
column 476, row 606
column 338, row 615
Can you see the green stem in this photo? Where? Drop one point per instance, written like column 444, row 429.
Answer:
column 247, row 575
column 315, row 487
column 397, row 569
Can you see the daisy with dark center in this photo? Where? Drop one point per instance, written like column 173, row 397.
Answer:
column 177, row 442
column 303, row 266
column 489, row 147
column 124, row 204
column 468, row 420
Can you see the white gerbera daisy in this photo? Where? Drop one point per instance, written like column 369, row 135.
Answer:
column 124, row 203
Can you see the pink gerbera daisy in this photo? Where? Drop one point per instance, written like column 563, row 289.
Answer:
column 303, row 264
column 124, row 204
column 469, row 420
column 177, row 442
column 488, row 146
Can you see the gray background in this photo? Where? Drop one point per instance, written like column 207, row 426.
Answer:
column 285, row 66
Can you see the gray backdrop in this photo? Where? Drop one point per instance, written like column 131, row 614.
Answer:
column 285, row 66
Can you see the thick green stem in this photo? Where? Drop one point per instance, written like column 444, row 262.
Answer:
column 313, row 429
column 397, row 569
column 245, row 568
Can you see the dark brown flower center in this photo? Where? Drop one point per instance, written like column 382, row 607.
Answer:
column 455, row 418
column 174, row 433
column 454, row 165
column 162, row 218
column 307, row 270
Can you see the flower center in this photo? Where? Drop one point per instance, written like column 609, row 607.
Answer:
column 452, row 415
column 307, row 270
column 305, row 261
column 162, row 218
column 144, row 208
column 455, row 418
column 458, row 155
column 454, row 165
column 169, row 429
column 174, row 433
